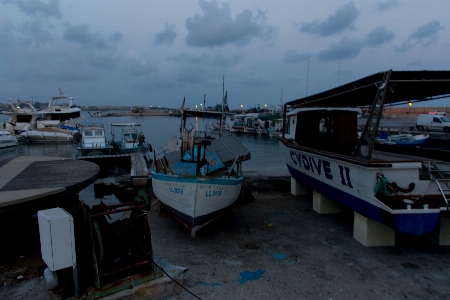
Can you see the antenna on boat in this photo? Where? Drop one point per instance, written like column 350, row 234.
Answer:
column 281, row 99
column 307, row 75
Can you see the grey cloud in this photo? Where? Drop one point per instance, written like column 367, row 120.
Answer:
column 427, row 31
column 82, row 34
column 220, row 60
column 378, row 36
column 215, row 27
column 35, row 32
column 346, row 48
column 386, row 5
column 424, row 35
column 102, row 61
column 37, row 7
column 217, row 59
column 137, row 68
column 292, row 57
column 341, row 20
column 349, row 48
column 167, row 36
column 116, row 37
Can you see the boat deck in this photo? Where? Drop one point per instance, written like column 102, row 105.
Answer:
column 27, row 179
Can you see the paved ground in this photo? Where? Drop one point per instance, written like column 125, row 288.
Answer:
column 274, row 246
column 277, row 247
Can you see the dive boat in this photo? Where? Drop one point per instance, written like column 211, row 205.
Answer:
column 198, row 176
column 7, row 140
column 322, row 151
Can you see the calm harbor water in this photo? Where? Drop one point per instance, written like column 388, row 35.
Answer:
column 266, row 159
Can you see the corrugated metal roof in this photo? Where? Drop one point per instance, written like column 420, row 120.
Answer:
column 403, row 87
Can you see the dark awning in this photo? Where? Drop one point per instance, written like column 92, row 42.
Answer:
column 403, row 87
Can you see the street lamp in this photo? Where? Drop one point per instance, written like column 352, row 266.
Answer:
column 410, row 104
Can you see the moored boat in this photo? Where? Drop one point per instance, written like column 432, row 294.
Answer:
column 406, row 194
column 23, row 117
column 91, row 140
column 403, row 139
column 7, row 140
column 201, row 176
column 49, row 134
column 61, row 109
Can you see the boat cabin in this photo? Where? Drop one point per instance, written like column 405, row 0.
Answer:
column 92, row 136
column 329, row 129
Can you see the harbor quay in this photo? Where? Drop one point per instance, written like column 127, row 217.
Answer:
column 271, row 245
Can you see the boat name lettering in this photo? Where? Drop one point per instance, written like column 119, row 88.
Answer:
column 176, row 190
column 310, row 164
column 213, row 193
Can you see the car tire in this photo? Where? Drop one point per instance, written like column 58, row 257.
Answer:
column 447, row 129
column 420, row 128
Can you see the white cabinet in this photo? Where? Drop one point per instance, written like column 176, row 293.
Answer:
column 57, row 238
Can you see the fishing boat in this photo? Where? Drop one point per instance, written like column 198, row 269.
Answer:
column 91, row 140
column 129, row 138
column 7, row 140
column 23, row 117
column 405, row 194
column 199, row 175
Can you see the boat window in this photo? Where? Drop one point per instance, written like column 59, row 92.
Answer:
column 437, row 120
column 98, row 133
column 445, row 120
column 88, row 133
column 288, row 127
column 322, row 127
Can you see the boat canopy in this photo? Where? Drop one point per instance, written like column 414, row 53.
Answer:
column 402, row 87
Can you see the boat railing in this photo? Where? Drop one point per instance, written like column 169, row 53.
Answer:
column 437, row 176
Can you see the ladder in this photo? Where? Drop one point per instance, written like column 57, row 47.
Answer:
column 438, row 176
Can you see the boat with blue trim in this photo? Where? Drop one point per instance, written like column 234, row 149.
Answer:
column 323, row 152
column 198, row 175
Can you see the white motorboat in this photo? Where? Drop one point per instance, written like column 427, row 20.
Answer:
column 61, row 110
column 199, row 177
column 7, row 140
column 23, row 117
column 49, row 134
column 406, row 194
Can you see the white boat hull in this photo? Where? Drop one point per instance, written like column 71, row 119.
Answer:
column 196, row 200
column 351, row 183
column 7, row 140
column 45, row 136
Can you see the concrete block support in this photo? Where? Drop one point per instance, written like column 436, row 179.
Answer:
column 298, row 189
column 324, row 205
column 372, row 233
column 442, row 236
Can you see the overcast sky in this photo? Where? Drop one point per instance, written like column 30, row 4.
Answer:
column 155, row 52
